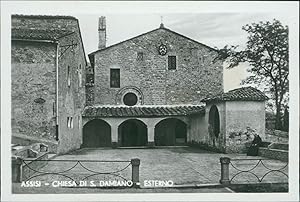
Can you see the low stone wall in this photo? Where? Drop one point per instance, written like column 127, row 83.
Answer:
column 206, row 146
column 280, row 146
column 260, row 187
column 21, row 171
column 31, row 164
column 24, row 160
column 26, row 141
column 277, row 136
column 278, row 154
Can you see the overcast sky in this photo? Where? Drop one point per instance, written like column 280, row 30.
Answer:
column 212, row 29
column 216, row 28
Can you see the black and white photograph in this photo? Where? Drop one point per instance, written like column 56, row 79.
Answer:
column 144, row 101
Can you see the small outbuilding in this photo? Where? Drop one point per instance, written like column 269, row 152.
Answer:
column 233, row 117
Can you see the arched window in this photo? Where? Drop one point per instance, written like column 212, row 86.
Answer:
column 79, row 75
column 214, row 120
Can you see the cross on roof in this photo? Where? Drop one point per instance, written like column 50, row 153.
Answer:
column 161, row 22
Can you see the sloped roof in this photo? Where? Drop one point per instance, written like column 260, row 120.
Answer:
column 44, row 16
column 239, row 94
column 161, row 27
column 142, row 111
column 38, row 34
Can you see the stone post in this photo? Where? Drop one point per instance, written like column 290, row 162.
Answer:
column 151, row 136
column 16, row 166
column 135, row 163
column 224, row 170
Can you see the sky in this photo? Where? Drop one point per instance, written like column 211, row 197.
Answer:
column 216, row 28
column 212, row 29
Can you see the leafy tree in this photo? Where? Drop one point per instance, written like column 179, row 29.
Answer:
column 267, row 54
column 285, row 125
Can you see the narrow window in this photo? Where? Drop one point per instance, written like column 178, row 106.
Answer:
column 115, row 78
column 171, row 62
column 140, row 56
column 68, row 122
column 71, row 122
column 79, row 121
column 53, row 108
column 80, row 75
column 56, row 133
column 68, row 77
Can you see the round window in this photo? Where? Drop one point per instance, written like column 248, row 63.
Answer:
column 130, row 99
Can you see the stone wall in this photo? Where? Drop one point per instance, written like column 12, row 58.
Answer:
column 197, row 74
column 34, row 75
column 198, row 129
column 241, row 115
column 239, row 120
column 278, row 154
column 33, row 95
column 71, row 98
column 276, row 136
column 89, row 86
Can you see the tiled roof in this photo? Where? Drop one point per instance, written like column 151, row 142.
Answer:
column 38, row 34
column 142, row 111
column 239, row 94
column 44, row 16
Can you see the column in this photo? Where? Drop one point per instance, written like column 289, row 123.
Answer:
column 114, row 135
column 151, row 129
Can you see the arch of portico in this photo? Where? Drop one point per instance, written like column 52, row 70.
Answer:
column 150, row 123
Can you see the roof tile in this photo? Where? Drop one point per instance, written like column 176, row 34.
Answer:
column 239, row 94
column 38, row 34
column 141, row 111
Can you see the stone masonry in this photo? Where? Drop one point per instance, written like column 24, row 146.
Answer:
column 42, row 99
column 197, row 75
column 34, row 78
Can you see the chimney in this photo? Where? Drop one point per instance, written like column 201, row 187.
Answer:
column 102, row 32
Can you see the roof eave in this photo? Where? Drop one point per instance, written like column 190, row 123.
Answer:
column 44, row 16
column 228, row 100
column 35, row 40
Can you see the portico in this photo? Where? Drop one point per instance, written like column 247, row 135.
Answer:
column 139, row 126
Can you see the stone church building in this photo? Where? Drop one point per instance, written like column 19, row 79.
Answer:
column 159, row 88
column 151, row 90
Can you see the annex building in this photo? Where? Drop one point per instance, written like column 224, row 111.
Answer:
column 159, row 88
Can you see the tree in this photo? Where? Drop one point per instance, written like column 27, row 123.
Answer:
column 285, row 125
column 267, row 54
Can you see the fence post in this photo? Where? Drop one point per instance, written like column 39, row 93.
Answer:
column 224, row 170
column 16, row 166
column 135, row 163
